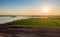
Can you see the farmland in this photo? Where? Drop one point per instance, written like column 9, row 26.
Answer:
column 36, row 22
column 27, row 28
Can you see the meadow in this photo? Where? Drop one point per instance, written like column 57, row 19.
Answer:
column 44, row 22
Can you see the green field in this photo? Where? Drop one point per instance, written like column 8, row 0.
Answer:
column 36, row 22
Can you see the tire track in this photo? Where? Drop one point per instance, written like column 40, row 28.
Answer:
column 56, row 23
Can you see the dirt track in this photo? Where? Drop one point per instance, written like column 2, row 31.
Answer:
column 29, row 32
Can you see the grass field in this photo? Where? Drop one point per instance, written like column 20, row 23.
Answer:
column 37, row 22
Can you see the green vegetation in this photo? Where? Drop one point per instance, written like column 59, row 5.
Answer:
column 37, row 22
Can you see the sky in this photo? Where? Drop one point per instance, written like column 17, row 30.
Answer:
column 29, row 7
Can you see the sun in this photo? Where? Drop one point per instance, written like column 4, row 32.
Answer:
column 45, row 10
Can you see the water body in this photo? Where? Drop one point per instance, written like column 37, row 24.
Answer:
column 9, row 19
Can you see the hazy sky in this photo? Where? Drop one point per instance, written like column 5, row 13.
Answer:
column 29, row 7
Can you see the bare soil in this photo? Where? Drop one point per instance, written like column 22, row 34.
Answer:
column 11, row 31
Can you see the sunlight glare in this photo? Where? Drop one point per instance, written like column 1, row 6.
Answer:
column 45, row 10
